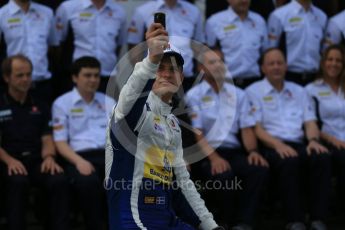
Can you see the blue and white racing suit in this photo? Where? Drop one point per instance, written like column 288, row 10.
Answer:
column 143, row 153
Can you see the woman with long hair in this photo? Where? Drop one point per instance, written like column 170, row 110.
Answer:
column 328, row 92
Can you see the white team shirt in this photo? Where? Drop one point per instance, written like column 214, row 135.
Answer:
column 304, row 33
column 97, row 33
column 331, row 108
column 29, row 34
column 281, row 114
column 335, row 29
column 241, row 42
column 219, row 115
column 81, row 124
column 183, row 23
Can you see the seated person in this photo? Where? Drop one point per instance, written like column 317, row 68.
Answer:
column 284, row 118
column 27, row 149
column 329, row 92
column 218, row 113
column 79, row 122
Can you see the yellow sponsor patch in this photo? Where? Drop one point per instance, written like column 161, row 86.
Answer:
column 85, row 15
column 157, row 119
column 324, row 94
column 149, row 200
column 268, row 98
column 295, row 19
column 230, row 27
column 77, row 110
column 14, row 20
column 132, row 30
column 206, row 99
column 158, row 165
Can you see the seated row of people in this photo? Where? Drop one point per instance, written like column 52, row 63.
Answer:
column 28, row 138
column 272, row 110
column 282, row 116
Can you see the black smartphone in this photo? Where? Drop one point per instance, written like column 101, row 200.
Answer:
column 159, row 17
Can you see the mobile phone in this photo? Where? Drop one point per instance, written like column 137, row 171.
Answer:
column 159, row 17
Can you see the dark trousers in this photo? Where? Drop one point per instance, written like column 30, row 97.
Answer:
column 313, row 171
column 89, row 189
column 241, row 186
column 338, row 167
column 54, row 190
column 302, row 79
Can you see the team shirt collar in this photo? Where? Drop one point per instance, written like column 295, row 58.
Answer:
column 161, row 4
column 14, row 8
column 268, row 88
column 76, row 97
column 233, row 15
column 88, row 4
column 299, row 8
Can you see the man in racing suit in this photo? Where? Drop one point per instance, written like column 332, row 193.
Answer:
column 144, row 146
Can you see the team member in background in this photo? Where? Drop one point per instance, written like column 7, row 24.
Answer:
column 329, row 92
column 99, row 30
column 298, row 29
column 183, row 20
column 27, row 149
column 144, row 146
column 220, row 112
column 242, row 36
column 79, row 122
column 28, row 28
column 335, row 32
column 284, row 119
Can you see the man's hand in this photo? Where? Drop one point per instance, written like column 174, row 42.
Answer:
column 337, row 143
column 50, row 166
column 218, row 164
column 256, row 159
column 84, row 167
column 285, row 151
column 15, row 167
column 314, row 146
column 157, row 40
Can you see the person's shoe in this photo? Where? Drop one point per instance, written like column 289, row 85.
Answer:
column 295, row 226
column 242, row 227
column 318, row 225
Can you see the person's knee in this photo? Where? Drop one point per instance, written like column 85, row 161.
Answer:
column 56, row 182
column 87, row 183
column 225, row 176
column 18, row 181
column 320, row 160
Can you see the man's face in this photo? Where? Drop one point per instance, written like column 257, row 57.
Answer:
column 213, row 65
column 169, row 77
column 240, row 6
column 20, row 78
column 274, row 65
column 88, row 79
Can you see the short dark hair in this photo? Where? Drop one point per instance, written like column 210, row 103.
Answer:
column 84, row 62
column 7, row 63
column 263, row 56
